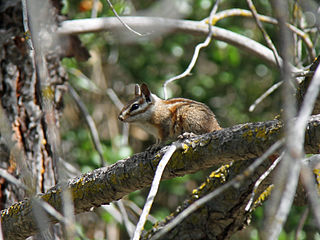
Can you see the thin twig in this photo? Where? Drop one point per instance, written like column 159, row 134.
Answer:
column 26, row 24
column 125, row 129
column 312, row 192
column 114, row 98
column 196, row 51
column 94, row 10
column 264, row 32
column 53, row 212
column 259, row 181
column 313, row 161
column 264, row 95
column 235, row 181
column 154, row 189
column 91, row 86
column 85, row 82
column 301, row 223
column 4, row 173
column 123, row 23
column 298, row 76
column 42, row 219
column 68, row 212
column 92, row 127
column 304, row 74
column 246, row 13
column 134, row 207
column 129, row 225
column 113, row 211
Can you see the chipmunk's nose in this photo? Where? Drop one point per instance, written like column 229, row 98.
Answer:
column 120, row 117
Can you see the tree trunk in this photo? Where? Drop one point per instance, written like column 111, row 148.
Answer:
column 32, row 85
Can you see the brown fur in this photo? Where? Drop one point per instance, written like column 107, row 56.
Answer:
column 173, row 117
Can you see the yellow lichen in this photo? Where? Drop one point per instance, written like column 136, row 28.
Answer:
column 263, row 195
column 249, row 135
column 316, row 171
column 261, row 133
column 48, row 92
column 185, row 148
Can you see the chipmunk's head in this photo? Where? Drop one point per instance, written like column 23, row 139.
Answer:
column 138, row 109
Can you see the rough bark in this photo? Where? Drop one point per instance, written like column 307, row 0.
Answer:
column 31, row 109
column 305, row 84
column 104, row 185
column 221, row 217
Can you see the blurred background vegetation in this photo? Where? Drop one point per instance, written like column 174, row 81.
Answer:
column 225, row 78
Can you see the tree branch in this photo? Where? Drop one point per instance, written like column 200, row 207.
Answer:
column 164, row 24
column 104, row 185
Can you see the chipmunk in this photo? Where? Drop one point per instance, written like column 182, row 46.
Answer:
column 167, row 119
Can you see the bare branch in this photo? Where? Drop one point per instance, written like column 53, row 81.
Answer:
column 262, row 177
column 235, row 181
column 69, row 217
column 125, row 129
column 312, row 192
column 195, row 53
column 301, row 223
column 92, row 127
column 12, row 179
column 123, row 23
column 154, row 189
column 245, row 13
column 264, row 95
column 129, row 225
column 264, row 32
column 299, row 76
column 94, row 10
column 114, row 98
column 138, row 210
column 194, row 27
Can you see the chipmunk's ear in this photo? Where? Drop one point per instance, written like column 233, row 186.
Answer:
column 137, row 90
column 146, row 92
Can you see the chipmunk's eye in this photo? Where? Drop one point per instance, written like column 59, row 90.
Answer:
column 134, row 107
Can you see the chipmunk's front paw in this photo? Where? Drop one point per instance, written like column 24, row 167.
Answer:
column 186, row 135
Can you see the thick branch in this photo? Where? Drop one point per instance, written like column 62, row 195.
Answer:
column 148, row 24
column 104, row 185
column 221, row 217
